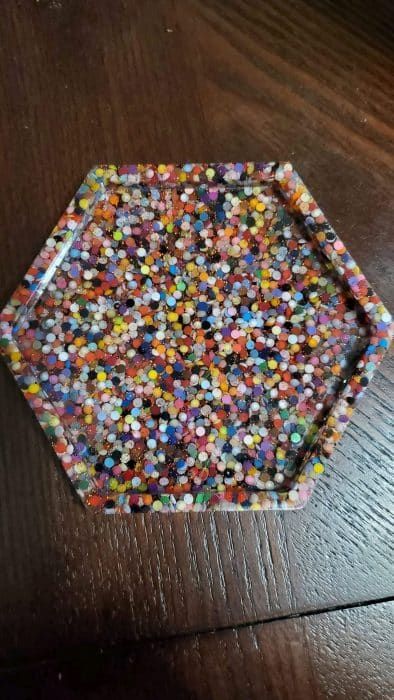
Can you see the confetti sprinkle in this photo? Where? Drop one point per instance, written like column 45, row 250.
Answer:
column 194, row 336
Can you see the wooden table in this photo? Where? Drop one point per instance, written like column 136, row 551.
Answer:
column 214, row 605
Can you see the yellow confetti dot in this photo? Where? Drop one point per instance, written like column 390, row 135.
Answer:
column 83, row 203
column 33, row 388
column 319, row 468
column 80, row 468
column 101, row 376
column 152, row 374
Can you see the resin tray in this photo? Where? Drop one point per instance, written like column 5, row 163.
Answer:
column 193, row 336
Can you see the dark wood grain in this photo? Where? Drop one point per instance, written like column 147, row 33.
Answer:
column 344, row 654
column 84, row 82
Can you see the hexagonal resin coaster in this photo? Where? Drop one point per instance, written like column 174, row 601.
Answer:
column 193, row 336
